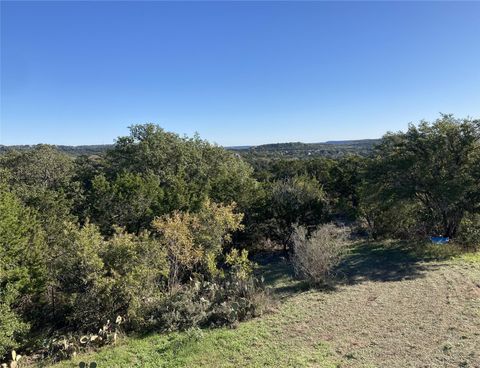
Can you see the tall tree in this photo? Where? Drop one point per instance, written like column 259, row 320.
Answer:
column 157, row 172
column 42, row 179
column 437, row 165
column 22, row 268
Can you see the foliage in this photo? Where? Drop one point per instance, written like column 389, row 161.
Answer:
column 59, row 347
column 298, row 150
column 15, row 358
column 42, row 179
column 316, row 256
column 469, row 232
column 12, row 329
column 22, row 269
column 391, row 217
column 82, row 150
column 97, row 279
column 193, row 241
column 240, row 264
column 226, row 300
column 344, row 186
column 436, row 165
column 43, row 166
column 298, row 200
column 129, row 200
column 190, row 170
column 152, row 229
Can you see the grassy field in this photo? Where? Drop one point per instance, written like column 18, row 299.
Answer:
column 392, row 307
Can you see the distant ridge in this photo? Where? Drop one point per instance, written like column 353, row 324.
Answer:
column 238, row 148
column 92, row 149
column 331, row 149
column 355, row 141
column 361, row 147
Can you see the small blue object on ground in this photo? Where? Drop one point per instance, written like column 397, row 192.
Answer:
column 439, row 240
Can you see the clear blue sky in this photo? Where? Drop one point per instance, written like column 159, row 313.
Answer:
column 238, row 73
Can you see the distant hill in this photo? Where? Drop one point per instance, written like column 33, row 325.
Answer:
column 95, row 149
column 355, row 142
column 238, row 148
column 330, row 149
column 292, row 149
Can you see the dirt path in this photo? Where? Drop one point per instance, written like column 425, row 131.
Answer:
column 397, row 313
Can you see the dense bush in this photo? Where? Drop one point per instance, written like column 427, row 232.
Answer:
column 78, row 244
column 469, row 234
column 189, row 170
column 298, row 200
column 194, row 241
column 223, row 301
column 96, row 280
column 390, row 217
column 435, row 166
column 315, row 256
column 22, row 269
column 130, row 200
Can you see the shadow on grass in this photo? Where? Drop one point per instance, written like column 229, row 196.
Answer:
column 277, row 273
column 382, row 263
column 377, row 262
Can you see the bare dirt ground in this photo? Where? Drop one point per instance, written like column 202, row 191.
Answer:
column 394, row 310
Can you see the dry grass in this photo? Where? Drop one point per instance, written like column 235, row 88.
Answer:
column 397, row 308
column 428, row 321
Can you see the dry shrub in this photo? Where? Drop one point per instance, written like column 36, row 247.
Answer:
column 316, row 255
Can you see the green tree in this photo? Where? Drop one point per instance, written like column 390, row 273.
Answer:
column 22, row 269
column 42, row 166
column 299, row 200
column 436, row 165
column 97, row 279
column 189, row 170
column 129, row 200
column 346, row 176
column 42, row 179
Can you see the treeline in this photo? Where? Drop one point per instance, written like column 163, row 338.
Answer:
column 334, row 149
column 157, row 231
column 94, row 149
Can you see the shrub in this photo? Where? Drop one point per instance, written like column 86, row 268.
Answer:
column 11, row 328
column 22, row 269
column 194, row 241
column 99, row 279
column 234, row 299
column 469, row 232
column 298, row 200
column 129, row 200
column 316, row 256
column 230, row 297
column 208, row 304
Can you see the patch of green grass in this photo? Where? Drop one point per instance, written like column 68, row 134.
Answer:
column 266, row 342
column 450, row 251
column 437, row 252
column 473, row 257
